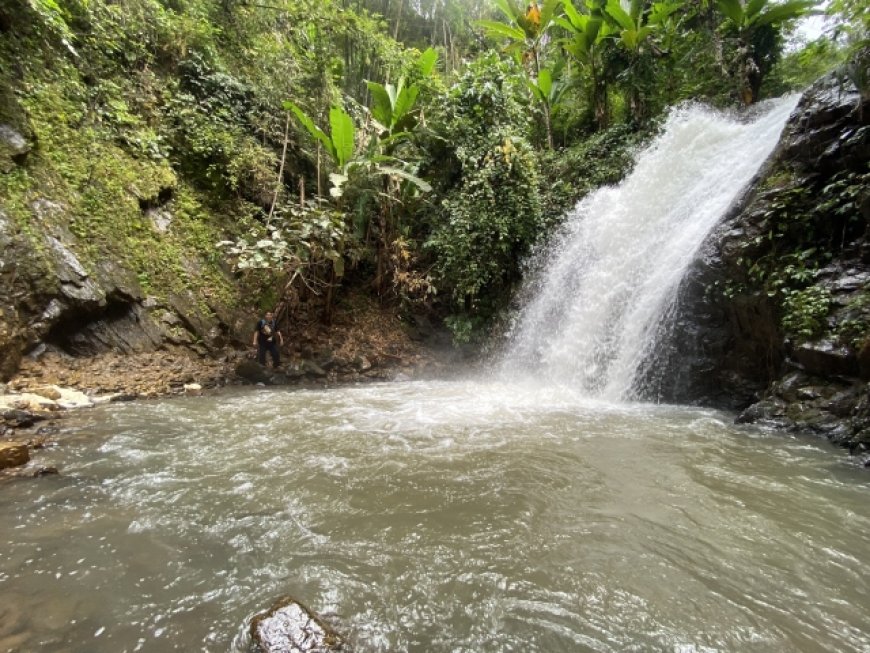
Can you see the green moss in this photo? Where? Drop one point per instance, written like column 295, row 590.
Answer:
column 85, row 162
column 782, row 178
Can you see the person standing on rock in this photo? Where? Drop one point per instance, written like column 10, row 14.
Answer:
column 267, row 338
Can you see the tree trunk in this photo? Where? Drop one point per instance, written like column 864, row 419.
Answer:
column 398, row 20
column 546, row 103
column 280, row 181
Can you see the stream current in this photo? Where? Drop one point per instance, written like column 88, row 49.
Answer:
column 435, row 517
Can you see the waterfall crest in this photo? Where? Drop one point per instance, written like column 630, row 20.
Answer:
column 600, row 300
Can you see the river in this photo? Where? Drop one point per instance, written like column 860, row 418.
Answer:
column 435, row 517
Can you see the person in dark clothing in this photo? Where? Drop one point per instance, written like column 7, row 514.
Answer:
column 268, row 338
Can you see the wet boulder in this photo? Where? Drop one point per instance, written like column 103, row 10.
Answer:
column 15, row 417
column 13, row 454
column 767, row 412
column 361, row 364
column 253, row 372
column 313, row 369
column 290, row 627
column 825, row 358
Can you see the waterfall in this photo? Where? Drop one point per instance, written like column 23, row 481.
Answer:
column 599, row 301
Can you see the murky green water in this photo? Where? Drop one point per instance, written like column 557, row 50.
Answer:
column 435, row 517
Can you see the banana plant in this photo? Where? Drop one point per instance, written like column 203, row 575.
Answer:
column 392, row 106
column 548, row 88
column 371, row 161
column 525, row 32
column 393, row 112
column 525, row 28
column 756, row 13
column 588, row 33
column 339, row 145
column 749, row 20
column 635, row 29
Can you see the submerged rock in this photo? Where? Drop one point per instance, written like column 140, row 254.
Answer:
column 290, row 627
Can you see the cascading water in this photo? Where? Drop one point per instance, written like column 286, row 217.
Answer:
column 600, row 302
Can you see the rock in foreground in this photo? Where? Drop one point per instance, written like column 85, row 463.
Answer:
column 290, row 627
column 13, row 454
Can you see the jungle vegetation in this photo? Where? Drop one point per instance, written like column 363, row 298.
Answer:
column 415, row 148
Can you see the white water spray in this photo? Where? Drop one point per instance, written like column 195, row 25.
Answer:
column 609, row 281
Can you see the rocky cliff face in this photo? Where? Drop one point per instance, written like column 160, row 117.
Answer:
column 102, row 248
column 775, row 318
column 50, row 299
column 64, row 291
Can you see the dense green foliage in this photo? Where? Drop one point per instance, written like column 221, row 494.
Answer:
column 325, row 143
column 491, row 211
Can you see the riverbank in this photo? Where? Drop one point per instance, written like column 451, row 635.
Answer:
column 371, row 343
column 366, row 345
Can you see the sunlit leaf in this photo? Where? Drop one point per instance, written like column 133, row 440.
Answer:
column 309, row 125
column 342, row 135
column 382, row 107
column 496, row 29
column 427, row 61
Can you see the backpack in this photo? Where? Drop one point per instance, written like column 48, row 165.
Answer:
column 265, row 328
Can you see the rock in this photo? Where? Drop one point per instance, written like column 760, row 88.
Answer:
column 290, row 627
column 160, row 218
column 252, row 371
column 44, row 471
column 864, row 360
column 13, row 454
column 361, row 364
column 193, row 389
column 326, row 358
column 313, row 369
column 49, row 392
column 194, row 318
column 809, row 417
column 17, row 418
column 843, row 403
column 30, row 402
column 824, row 358
column 14, row 148
column 294, row 371
column 75, row 282
column 767, row 411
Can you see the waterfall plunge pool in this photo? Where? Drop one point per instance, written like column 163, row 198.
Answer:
column 435, row 517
